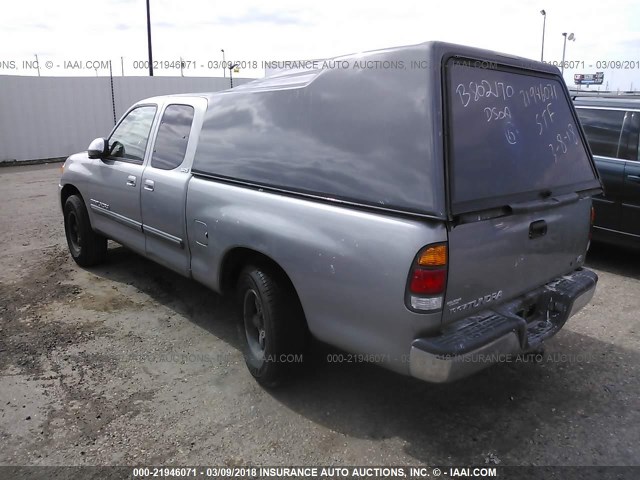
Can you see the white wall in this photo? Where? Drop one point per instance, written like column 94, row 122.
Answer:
column 49, row 117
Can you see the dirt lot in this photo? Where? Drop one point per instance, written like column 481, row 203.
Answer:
column 131, row 364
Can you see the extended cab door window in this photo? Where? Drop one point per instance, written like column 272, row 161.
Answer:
column 129, row 140
column 172, row 138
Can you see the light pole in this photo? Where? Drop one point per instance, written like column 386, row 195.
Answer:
column 231, row 67
column 544, row 24
column 149, row 40
column 571, row 37
column 224, row 66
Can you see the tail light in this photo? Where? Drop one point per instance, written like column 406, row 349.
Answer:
column 427, row 279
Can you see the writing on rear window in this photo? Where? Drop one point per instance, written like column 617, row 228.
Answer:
column 539, row 97
column 511, row 132
column 484, row 89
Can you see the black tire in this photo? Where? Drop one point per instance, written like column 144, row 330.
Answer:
column 87, row 247
column 271, row 325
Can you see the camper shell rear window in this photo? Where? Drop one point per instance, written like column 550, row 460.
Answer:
column 512, row 136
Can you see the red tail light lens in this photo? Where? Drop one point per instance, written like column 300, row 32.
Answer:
column 428, row 282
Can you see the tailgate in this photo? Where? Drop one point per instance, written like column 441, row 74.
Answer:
column 495, row 260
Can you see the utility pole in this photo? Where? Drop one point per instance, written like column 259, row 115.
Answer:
column 544, row 24
column 113, row 97
column 149, row 40
column 571, row 37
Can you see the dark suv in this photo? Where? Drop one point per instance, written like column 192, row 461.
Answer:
column 612, row 127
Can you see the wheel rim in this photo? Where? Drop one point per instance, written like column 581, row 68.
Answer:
column 254, row 328
column 74, row 232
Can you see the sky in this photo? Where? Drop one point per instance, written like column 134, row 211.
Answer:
column 78, row 37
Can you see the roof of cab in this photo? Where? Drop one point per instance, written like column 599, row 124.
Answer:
column 167, row 98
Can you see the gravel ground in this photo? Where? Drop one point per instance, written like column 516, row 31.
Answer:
column 131, row 364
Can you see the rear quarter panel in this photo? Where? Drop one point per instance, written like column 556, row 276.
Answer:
column 349, row 266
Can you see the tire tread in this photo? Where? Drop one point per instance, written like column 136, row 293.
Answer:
column 287, row 326
column 94, row 248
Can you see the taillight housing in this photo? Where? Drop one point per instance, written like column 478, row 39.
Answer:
column 427, row 280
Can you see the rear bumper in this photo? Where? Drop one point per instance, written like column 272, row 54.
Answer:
column 491, row 336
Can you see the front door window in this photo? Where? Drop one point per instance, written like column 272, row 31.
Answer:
column 129, row 140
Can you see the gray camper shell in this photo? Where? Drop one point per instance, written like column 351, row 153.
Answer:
column 373, row 130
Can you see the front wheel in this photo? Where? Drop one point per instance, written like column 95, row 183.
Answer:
column 271, row 324
column 87, row 247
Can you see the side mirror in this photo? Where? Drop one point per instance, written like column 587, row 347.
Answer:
column 98, row 148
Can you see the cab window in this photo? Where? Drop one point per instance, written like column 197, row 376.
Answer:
column 603, row 129
column 630, row 137
column 130, row 138
column 172, row 138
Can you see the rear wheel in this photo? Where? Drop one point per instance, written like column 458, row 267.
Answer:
column 87, row 247
column 271, row 325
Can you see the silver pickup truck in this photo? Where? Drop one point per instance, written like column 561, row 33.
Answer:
column 426, row 207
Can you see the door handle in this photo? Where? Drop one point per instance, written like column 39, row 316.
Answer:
column 537, row 229
column 634, row 178
column 131, row 181
column 149, row 185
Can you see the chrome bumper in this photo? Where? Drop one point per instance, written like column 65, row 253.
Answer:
column 485, row 338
